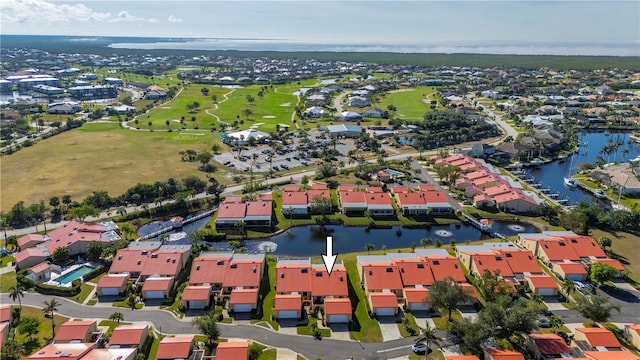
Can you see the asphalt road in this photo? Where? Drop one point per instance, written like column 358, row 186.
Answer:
column 167, row 323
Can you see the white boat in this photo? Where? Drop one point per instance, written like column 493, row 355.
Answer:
column 536, row 162
column 570, row 183
column 562, row 157
column 600, row 194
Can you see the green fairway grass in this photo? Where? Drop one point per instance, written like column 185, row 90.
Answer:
column 408, row 102
column 98, row 156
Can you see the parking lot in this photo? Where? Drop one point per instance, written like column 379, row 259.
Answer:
column 264, row 157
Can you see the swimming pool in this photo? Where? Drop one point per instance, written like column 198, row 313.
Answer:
column 74, row 274
column 393, row 173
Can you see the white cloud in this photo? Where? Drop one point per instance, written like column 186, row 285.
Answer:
column 173, row 19
column 152, row 20
column 41, row 11
column 125, row 16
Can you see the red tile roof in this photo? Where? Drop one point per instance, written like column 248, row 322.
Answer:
column 245, row 273
column 416, row 198
column 600, row 337
column 374, row 189
column 504, row 354
column 112, row 281
column 178, row 347
column 53, row 351
column 232, row 350
column 234, row 210
column 318, row 186
column 294, row 198
column 293, row 278
column 492, row 262
column 515, row 194
column 324, row 285
column 191, row 293
column 232, row 199
column 426, row 187
column 29, row 238
column 445, row 267
column 337, row 306
column 521, row 261
column 289, row 188
column 351, row 197
column 435, row 197
column 288, row 302
column 558, row 250
column 542, row 281
column 572, row 268
column 259, row 208
column 415, row 295
column 110, row 354
column 74, row 330
column 264, row 197
column 243, row 296
column 128, row 334
column 611, row 355
column 378, row 199
column 550, row 344
column 415, row 272
column 27, row 253
column 399, row 189
column 209, row 269
column 612, row 262
column 147, row 262
column 381, row 277
column 584, row 246
column 311, row 194
column 157, row 284
column 40, row 268
column 383, row 300
column 461, row 357
column 5, row 312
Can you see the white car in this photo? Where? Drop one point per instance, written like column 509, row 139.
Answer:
column 419, row 348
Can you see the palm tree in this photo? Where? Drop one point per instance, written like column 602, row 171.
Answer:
column 426, row 242
column 427, row 335
column 17, row 292
column 50, row 308
column 369, row 247
column 568, row 287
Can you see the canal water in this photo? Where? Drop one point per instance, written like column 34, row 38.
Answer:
column 551, row 175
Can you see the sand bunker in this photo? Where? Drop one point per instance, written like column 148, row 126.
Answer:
column 286, row 104
column 269, row 117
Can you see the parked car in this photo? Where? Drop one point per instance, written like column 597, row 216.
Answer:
column 544, row 323
column 419, row 348
column 276, row 168
column 305, row 163
column 285, row 166
column 245, row 169
column 296, row 157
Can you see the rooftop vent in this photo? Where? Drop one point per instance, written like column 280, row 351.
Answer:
column 154, row 255
column 233, row 266
column 145, row 252
column 370, row 272
column 498, row 258
column 304, row 270
column 139, row 262
column 255, row 269
column 508, row 255
column 318, row 273
column 119, row 257
column 389, row 269
column 421, row 266
column 455, row 266
column 168, row 260
column 436, row 262
column 173, row 261
column 561, row 243
column 220, row 262
column 341, row 278
column 198, row 267
column 401, row 270
column 281, row 275
column 574, row 241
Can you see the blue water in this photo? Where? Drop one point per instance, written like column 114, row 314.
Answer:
column 158, row 225
column 311, row 240
column 551, row 175
column 75, row 274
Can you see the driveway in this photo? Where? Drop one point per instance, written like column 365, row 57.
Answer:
column 389, row 328
column 552, row 303
column 468, row 312
column 340, row 332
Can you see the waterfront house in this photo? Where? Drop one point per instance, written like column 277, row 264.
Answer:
column 164, row 261
column 253, row 213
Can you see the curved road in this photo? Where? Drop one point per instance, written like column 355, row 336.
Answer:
column 166, row 323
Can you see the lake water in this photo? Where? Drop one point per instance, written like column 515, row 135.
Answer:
column 551, row 175
column 311, row 240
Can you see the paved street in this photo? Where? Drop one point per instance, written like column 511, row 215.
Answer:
column 167, row 323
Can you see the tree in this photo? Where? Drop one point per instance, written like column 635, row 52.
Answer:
column 491, row 285
column 426, row 242
column 321, row 205
column 568, row 287
column 428, row 336
column 132, row 301
column 555, row 322
column 83, row 211
column 600, row 273
column 61, row 255
column 12, row 350
column 117, row 317
column 17, row 293
column 326, row 171
column 247, row 112
column 50, row 308
column 504, row 317
column 369, row 247
column 94, row 250
column 447, row 294
column 596, row 308
column 204, row 157
column 208, row 326
column 605, row 242
column 30, row 326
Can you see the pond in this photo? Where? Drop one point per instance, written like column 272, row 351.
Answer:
column 311, row 240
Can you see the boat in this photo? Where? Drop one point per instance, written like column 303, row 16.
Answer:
column 570, row 183
column 562, row 157
column 600, row 194
column 536, row 162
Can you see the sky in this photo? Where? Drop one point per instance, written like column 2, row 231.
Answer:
column 552, row 26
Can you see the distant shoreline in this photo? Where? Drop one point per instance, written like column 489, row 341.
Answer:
column 464, row 55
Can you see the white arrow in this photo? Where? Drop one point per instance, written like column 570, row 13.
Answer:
column 329, row 259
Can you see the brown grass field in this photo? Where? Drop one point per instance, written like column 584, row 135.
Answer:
column 98, row 156
column 626, row 246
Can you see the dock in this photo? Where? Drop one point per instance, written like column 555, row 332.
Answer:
column 184, row 222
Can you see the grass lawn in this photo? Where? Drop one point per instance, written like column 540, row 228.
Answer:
column 269, row 282
column 306, row 329
column 60, row 165
column 436, row 355
column 271, row 354
column 44, row 330
column 408, row 102
column 588, row 182
column 442, row 321
column 625, row 248
column 363, row 328
column 154, row 348
column 123, row 304
column 7, row 281
column 85, row 290
column 111, row 324
column 412, row 325
column 4, row 261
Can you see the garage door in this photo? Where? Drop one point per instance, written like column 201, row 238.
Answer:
column 242, row 308
column 575, row 277
column 418, row 307
column 109, row 292
column 288, row 314
column 195, row 304
column 546, row 292
column 386, row 312
column 338, row 319
column 155, row 294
